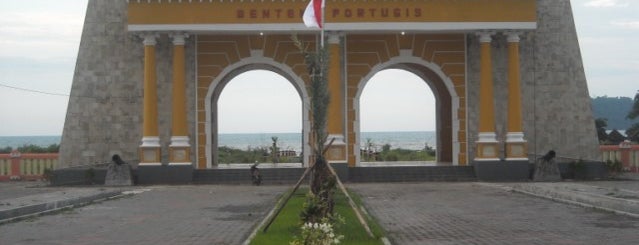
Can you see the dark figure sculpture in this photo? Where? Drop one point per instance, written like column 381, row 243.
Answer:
column 256, row 177
column 117, row 160
column 118, row 172
column 546, row 169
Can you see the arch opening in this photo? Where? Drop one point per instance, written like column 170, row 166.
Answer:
column 251, row 106
column 445, row 98
column 398, row 119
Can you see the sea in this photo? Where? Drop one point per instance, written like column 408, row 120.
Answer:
column 416, row 140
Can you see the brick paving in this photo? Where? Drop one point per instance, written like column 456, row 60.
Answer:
column 467, row 213
column 411, row 213
column 15, row 189
column 161, row 215
column 630, row 185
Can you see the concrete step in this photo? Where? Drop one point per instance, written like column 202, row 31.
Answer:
column 357, row 174
column 26, row 206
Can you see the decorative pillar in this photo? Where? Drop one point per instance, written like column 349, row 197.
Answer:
column 150, row 148
column 15, row 172
column 516, row 146
column 179, row 149
column 337, row 151
column 487, row 144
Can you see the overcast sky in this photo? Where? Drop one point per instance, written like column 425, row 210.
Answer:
column 39, row 41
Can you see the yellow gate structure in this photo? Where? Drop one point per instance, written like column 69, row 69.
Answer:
column 507, row 75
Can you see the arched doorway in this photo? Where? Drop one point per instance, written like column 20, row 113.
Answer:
column 446, row 98
column 255, row 108
column 231, row 72
column 397, row 119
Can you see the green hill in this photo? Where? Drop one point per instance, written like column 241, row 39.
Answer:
column 615, row 109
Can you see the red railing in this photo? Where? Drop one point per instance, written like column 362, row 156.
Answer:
column 626, row 153
column 26, row 166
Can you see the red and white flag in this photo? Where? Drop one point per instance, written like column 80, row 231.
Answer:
column 313, row 13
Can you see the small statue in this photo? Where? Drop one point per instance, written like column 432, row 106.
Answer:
column 256, row 177
column 117, row 160
column 546, row 169
column 118, row 172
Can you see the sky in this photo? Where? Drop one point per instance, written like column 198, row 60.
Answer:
column 39, row 42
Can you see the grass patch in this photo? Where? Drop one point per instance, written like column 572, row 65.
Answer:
column 287, row 225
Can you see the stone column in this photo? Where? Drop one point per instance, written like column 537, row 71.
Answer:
column 516, row 146
column 486, row 143
column 179, row 149
column 14, row 169
column 150, row 148
column 337, row 151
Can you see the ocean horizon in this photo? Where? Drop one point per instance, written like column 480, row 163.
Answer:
column 413, row 140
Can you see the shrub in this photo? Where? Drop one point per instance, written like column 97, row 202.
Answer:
column 317, row 234
column 614, row 167
column 5, row 150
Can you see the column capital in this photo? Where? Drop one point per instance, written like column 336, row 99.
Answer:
column 333, row 37
column 512, row 36
column 485, row 36
column 179, row 37
column 149, row 39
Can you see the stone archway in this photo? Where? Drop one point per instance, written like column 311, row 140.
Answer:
column 230, row 72
column 447, row 101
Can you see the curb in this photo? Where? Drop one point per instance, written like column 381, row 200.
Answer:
column 40, row 208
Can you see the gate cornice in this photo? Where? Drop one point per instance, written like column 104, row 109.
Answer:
column 344, row 15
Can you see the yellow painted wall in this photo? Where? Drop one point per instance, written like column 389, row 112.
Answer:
column 445, row 50
column 215, row 52
column 289, row 11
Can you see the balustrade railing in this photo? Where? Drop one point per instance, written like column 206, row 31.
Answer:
column 626, row 153
column 26, row 166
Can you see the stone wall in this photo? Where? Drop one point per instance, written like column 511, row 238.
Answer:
column 556, row 105
column 104, row 115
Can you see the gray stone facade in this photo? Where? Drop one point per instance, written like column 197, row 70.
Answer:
column 104, row 114
column 557, row 112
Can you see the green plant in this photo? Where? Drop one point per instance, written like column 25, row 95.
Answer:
column 317, row 67
column 275, row 150
column 48, row 175
column 53, row 148
column 317, row 234
column 320, row 206
column 577, row 166
column 614, row 167
column 89, row 175
column 288, row 226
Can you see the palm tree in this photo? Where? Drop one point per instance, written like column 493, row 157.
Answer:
column 634, row 112
column 369, row 146
column 601, row 124
column 274, row 150
column 633, row 131
column 322, row 182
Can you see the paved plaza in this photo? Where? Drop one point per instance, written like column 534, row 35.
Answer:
column 411, row 213
column 222, row 215
column 471, row 213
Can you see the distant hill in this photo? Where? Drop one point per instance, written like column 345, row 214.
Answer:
column 615, row 109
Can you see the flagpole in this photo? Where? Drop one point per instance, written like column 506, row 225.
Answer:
column 322, row 28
